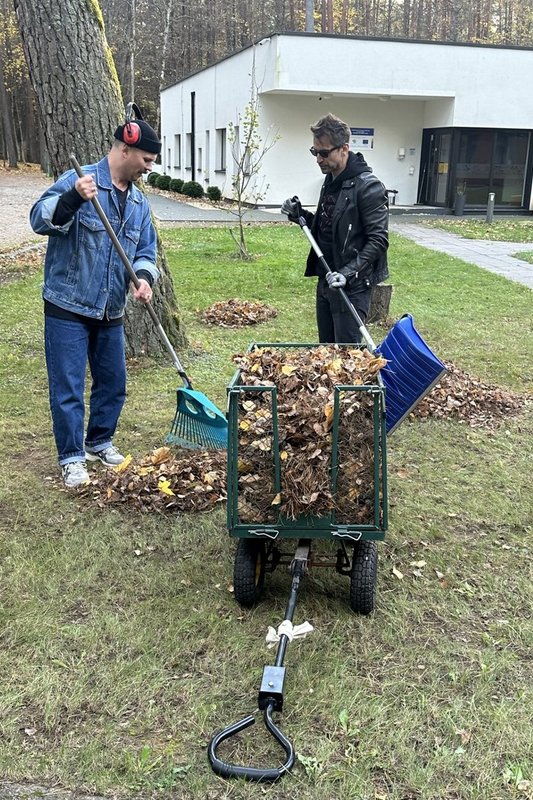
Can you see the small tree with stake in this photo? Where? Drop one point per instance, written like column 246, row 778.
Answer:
column 248, row 150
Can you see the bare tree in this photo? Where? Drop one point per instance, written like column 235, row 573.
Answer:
column 248, row 150
column 80, row 103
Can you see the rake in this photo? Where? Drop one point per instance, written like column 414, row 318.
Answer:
column 198, row 424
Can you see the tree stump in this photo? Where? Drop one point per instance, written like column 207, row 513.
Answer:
column 379, row 303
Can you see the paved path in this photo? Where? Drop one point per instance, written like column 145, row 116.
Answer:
column 168, row 210
column 493, row 256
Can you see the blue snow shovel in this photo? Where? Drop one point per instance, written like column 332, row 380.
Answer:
column 412, row 369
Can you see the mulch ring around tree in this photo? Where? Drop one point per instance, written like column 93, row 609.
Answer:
column 235, row 313
column 18, row 262
column 181, row 481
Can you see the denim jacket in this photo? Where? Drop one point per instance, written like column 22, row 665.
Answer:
column 83, row 272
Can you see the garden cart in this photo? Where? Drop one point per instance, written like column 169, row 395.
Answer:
column 263, row 545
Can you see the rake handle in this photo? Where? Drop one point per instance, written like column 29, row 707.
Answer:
column 135, row 280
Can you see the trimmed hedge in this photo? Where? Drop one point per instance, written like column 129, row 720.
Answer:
column 163, row 181
column 214, row 193
column 192, row 189
column 152, row 177
column 176, row 185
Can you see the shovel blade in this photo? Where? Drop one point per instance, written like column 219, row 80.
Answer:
column 411, row 372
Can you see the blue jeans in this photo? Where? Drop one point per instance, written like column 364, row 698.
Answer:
column 68, row 346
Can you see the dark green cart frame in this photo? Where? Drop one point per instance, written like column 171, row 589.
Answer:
column 258, row 550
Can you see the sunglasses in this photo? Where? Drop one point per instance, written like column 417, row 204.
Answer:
column 323, row 153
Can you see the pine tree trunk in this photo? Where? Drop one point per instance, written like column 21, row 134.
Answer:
column 80, row 104
column 7, row 121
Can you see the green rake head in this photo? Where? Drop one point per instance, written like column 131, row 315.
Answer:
column 198, row 424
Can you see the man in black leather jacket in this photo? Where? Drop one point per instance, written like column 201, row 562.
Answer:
column 351, row 228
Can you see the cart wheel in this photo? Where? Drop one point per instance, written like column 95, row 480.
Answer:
column 363, row 577
column 249, row 571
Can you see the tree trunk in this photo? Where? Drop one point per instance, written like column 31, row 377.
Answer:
column 80, row 104
column 380, row 303
column 73, row 76
column 139, row 330
column 7, row 120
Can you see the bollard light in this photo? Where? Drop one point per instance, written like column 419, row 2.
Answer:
column 490, row 208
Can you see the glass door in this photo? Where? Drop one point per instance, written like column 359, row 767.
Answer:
column 436, row 156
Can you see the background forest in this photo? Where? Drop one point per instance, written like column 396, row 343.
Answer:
column 157, row 42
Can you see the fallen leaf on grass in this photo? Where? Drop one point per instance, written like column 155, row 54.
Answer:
column 123, row 466
column 397, row 574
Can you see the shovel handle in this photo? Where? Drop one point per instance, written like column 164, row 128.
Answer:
column 135, row 280
column 314, row 244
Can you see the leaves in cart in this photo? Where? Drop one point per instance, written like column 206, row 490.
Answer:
column 305, row 380
column 235, row 313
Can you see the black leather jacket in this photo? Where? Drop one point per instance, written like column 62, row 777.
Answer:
column 360, row 231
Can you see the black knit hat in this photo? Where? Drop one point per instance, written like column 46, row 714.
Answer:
column 143, row 136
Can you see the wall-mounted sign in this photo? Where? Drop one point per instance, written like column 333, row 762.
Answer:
column 361, row 139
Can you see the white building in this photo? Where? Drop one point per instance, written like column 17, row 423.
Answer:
column 428, row 117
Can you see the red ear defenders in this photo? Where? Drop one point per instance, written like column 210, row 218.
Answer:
column 132, row 132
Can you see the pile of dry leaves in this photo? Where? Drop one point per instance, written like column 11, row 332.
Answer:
column 164, row 480
column 460, row 396
column 237, row 313
column 305, row 379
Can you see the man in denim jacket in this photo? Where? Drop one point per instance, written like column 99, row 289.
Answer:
column 85, row 290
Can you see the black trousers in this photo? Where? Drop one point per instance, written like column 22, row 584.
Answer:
column 334, row 321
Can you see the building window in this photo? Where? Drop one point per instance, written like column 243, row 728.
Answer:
column 188, row 151
column 177, row 151
column 199, row 160
column 207, row 155
column 221, row 150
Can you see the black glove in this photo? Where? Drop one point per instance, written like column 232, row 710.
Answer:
column 292, row 208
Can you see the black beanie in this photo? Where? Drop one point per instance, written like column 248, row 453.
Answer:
column 148, row 140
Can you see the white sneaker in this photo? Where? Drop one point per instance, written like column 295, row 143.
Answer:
column 75, row 474
column 109, row 456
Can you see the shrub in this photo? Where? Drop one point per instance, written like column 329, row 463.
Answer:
column 192, row 189
column 152, row 177
column 214, row 193
column 176, row 185
column 163, row 181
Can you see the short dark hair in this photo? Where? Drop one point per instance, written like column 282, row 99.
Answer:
column 332, row 126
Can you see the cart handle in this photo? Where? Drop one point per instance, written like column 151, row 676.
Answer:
column 226, row 770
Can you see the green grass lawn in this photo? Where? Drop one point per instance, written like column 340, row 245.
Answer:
column 500, row 230
column 525, row 255
column 123, row 649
